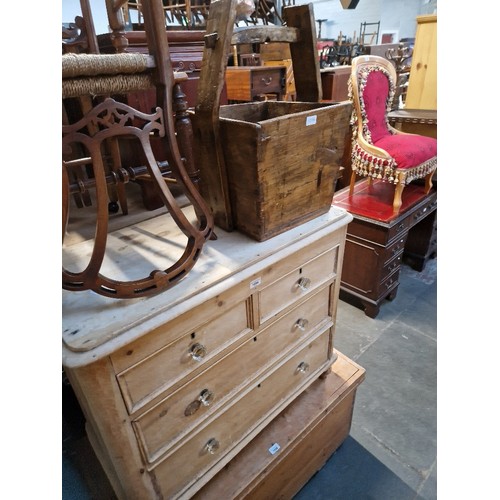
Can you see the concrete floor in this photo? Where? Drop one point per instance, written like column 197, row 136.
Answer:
column 392, row 447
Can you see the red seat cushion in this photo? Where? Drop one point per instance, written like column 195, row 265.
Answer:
column 408, row 150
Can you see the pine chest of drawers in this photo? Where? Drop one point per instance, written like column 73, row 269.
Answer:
column 174, row 386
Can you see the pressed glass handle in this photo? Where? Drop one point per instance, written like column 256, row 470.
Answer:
column 198, row 351
column 212, row 446
column 301, row 324
column 304, row 283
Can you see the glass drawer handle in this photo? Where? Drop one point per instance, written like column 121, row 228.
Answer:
column 212, row 446
column 303, row 367
column 301, row 324
column 198, row 352
column 206, row 397
column 304, row 283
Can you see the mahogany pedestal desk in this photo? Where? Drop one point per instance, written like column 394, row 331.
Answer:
column 377, row 240
column 233, row 369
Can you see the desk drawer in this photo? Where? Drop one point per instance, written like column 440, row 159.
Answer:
column 270, row 80
column 423, row 211
column 182, row 412
column 211, row 445
column 394, row 249
column 186, row 356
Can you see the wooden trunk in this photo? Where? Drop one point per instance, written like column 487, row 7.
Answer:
column 282, row 160
column 296, row 444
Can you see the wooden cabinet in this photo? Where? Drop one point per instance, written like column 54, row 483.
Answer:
column 376, row 239
column 422, row 86
column 176, row 385
column 335, row 83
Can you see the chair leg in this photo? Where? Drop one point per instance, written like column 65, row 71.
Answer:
column 428, row 182
column 353, row 182
column 398, row 197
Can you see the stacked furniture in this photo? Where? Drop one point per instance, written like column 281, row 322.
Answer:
column 176, row 385
column 221, row 384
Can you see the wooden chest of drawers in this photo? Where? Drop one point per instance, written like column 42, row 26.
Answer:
column 376, row 239
column 174, row 386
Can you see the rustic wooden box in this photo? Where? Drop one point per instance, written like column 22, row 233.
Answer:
column 282, row 161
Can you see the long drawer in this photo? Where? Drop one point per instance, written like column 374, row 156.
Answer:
column 210, row 448
column 193, row 351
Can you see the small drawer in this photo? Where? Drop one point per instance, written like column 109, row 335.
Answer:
column 301, row 281
column 423, row 212
column 268, row 81
column 394, row 249
column 212, row 445
column 182, row 412
column 389, row 284
column 398, row 229
column 390, row 267
column 189, row 354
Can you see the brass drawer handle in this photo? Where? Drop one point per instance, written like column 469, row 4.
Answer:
column 266, row 80
column 303, row 367
column 212, row 446
column 301, row 324
column 198, row 352
column 304, row 284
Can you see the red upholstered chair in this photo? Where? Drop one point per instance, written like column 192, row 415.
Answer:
column 379, row 151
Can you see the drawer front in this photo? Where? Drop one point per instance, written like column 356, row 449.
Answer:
column 396, row 248
column 391, row 266
column 424, row 211
column 210, row 447
column 190, row 321
column 268, row 81
column 388, row 285
column 182, row 412
column 400, row 228
column 378, row 232
column 189, row 354
column 295, row 285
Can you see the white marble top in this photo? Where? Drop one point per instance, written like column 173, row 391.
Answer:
column 94, row 326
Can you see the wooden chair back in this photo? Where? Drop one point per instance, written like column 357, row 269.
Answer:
column 111, row 74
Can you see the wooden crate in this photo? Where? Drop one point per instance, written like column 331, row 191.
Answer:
column 282, row 162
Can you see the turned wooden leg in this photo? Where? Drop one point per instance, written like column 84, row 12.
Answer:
column 428, row 182
column 398, row 195
column 353, row 182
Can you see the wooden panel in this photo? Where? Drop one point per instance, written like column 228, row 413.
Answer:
column 334, row 82
column 422, row 86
